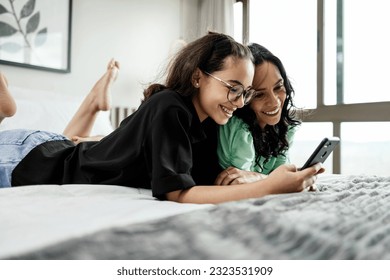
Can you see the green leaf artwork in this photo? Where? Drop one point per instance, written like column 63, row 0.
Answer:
column 11, row 47
column 32, row 23
column 3, row 10
column 27, row 9
column 24, row 22
column 6, row 29
column 41, row 37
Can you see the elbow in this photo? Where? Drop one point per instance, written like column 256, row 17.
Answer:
column 176, row 196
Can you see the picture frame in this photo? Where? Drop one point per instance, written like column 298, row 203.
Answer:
column 36, row 34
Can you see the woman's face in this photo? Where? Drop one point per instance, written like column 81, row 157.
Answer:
column 271, row 94
column 212, row 100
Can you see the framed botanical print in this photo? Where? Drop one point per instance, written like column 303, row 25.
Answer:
column 36, row 34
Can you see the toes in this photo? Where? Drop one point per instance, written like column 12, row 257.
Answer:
column 111, row 64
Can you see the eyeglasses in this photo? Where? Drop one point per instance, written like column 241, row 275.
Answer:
column 235, row 92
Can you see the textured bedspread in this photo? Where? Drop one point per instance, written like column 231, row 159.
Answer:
column 347, row 218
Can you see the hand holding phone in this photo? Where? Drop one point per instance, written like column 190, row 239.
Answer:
column 321, row 153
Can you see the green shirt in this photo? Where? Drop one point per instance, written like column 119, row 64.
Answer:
column 235, row 148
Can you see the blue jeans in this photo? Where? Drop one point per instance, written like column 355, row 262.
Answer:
column 15, row 145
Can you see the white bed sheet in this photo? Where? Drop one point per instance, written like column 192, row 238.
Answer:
column 36, row 216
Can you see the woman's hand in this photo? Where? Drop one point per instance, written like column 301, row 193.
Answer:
column 233, row 175
column 287, row 178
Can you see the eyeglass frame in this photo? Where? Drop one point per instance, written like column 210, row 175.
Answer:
column 252, row 92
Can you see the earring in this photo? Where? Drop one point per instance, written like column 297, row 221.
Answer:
column 197, row 85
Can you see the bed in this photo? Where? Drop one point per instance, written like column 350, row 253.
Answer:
column 348, row 217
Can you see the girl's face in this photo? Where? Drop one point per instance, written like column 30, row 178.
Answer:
column 271, row 94
column 212, row 100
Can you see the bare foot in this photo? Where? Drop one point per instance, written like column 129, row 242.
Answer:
column 101, row 92
column 7, row 103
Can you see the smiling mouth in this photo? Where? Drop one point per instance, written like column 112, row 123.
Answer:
column 274, row 112
column 228, row 112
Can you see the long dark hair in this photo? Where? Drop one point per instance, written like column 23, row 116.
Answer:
column 207, row 53
column 272, row 140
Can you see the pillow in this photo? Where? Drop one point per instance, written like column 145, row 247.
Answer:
column 50, row 111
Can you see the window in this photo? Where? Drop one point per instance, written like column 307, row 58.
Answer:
column 331, row 60
column 336, row 54
column 355, row 35
column 275, row 24
column 365, row 148
column 238, row 21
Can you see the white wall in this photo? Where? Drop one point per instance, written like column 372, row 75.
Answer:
column 140, row 34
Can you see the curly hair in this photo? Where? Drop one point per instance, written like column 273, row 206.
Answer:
column 272, row 140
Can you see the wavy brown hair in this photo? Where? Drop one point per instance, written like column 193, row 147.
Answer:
column 207, row 53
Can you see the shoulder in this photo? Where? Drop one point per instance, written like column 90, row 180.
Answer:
column 291, row 132
column 168, row 103
column 165, row 98
column 235, row 129
column 235, row 124
column 235, row 132
column 235, row 145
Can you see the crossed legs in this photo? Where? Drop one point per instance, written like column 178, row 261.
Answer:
column 98, row 99
column 80, row 126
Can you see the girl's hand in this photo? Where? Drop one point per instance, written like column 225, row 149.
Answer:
column 233, row 176
column 286, row 178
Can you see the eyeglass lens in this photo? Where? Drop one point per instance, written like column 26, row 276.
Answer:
column 236, row 91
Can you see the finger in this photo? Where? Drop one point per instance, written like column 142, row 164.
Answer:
column 231, row 170
column 221, row 178
column 312, row 170
column 291, row 167
column 318, row 167
column 322, row 170
column 229, row 174
column 229, row 179
column 310, row 181
column 311, row 188
column 233, row 174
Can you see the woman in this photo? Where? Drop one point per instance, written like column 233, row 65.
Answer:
column 169, row 143
column 258, row 136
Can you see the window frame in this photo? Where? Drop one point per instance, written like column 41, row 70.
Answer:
column 338, row 113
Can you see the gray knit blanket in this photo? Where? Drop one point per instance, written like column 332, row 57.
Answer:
column 348, row 217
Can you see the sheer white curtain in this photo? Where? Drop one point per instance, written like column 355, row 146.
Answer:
column 200, row 16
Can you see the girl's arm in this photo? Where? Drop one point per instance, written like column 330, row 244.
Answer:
column 285, row 179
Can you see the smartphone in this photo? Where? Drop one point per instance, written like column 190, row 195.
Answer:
column 321, row 153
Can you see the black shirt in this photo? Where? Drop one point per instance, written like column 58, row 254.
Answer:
column 162, row 146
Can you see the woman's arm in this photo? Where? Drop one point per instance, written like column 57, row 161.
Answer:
column 285, row 179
